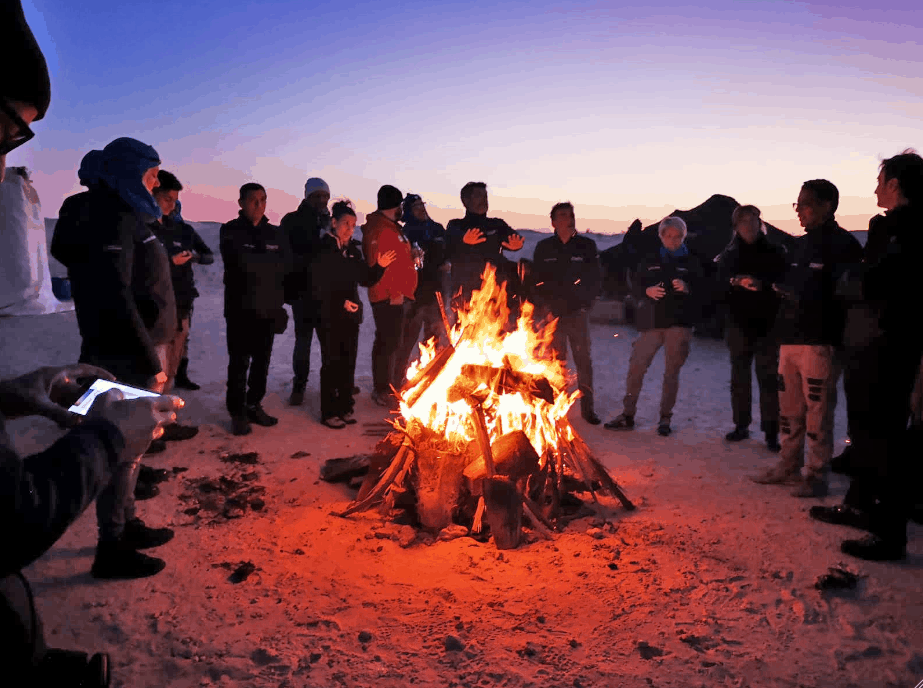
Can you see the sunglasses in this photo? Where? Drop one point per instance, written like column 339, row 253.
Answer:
column 23, row 132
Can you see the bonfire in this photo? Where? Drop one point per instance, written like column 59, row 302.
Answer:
column 483, row 434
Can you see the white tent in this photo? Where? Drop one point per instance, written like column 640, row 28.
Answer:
column 25, row 279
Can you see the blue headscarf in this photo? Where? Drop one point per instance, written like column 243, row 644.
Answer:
column 678, row 253
column 91, row 167
column 124, row 163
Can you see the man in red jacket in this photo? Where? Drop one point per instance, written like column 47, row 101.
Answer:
column 391, row 295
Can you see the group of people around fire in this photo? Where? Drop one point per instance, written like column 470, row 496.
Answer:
column 829, row 307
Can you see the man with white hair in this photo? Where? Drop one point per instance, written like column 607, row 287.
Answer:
column 667, row 285
column 303, row 229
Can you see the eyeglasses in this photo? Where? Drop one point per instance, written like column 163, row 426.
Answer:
column 23, row 132
column 797, row 205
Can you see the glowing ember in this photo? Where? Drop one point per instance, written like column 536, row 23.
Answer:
column 480, row 342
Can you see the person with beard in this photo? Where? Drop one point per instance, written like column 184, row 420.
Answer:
column 303, row 229
column 809, row 330
column 428, row 242
column 883, row 347
column 565, row 281
column 338, row 270
column 255, row 266
column 748, row 268
column 390, row 296
column 476, row 241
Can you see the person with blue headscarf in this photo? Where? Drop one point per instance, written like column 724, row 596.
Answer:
column 126, row 309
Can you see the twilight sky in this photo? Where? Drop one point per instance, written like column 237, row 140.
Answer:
column 624, row 110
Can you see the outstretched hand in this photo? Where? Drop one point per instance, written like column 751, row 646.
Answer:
column 48, row 392
column 474, row 236
column 514, row 243
column 385, row 259
column 139, row 420
column 656, row 292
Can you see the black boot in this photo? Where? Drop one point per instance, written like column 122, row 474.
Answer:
column 586, row 410
column 117, row 560
column 182, row 377
column 738, row 434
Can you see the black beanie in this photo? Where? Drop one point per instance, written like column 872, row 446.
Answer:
column 389, row 197
column 26, row 78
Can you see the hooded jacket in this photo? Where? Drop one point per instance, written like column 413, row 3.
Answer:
column 256, row 262
column 754, row 312
column 810, row 312
column 120, row 280
column 674, row 309
column 380, row 235
column 302, row 230
column 565, row 276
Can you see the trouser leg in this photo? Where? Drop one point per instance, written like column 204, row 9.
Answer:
column 389, row 321
column 23, row 640
column 643, row 350
column 407, row 350
column 261, row 342
column 330, row 359
column 792, row 406
column 115, row 505
column 238, row 363
column 741, row 349
column 677, row 341
column 818, row 379
column 767, row 377
column 577, row 328
column 303, row 313
column 348, row 342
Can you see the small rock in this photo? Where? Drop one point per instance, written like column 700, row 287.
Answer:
column 257, row 504
column 452, row 532
column 314, row 657
column 530, row 650
column 613, row 566
column 365, row 637
column 300, row 454
column 453, row 644
column 407, row 536
column 595, row 533
column 573, row 643
column 540, row 619
column 242, row 572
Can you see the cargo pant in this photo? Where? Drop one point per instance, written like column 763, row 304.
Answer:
column 675, row 342
column 807, row 399
column 575, row 328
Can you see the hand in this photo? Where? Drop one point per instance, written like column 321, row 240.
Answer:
column 385, row 259
column 749, row 283
column 47, row 392
column 656, row 292
column 474, row 236
column 158, row 382
column 139, row 420
column 182, row 258
column 350, row 306
column 680, row 286
column 514, row 243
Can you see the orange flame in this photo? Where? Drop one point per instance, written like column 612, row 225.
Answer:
column 481, row 337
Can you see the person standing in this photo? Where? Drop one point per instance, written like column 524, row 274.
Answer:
column 428, row 244
column 883, row 347
column 748, row 268
column 476, row 241
column 303, row 229
column 668, row 286
column 339, row 268
column 809, row 329
column 255, row 265
column 566, row 280
column 392, row 294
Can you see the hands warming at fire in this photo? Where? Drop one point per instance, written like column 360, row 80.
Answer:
column 747, row 282
column 474, row 236
column 350, row 306
column 385, row 259
column 656, row 292
column 514, row 243
column 182, row 257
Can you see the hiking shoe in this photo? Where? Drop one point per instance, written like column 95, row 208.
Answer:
column 621, row 422
column 145, row 490
column 257, row 415
column 772, row 442
column 811, row 487
column 139, row 536
column 183, row 382
column 334, row 422
column 591, row 418
column 296, row 398
column 157, row 446
column 780, row 474
column 240, row 425
column 146, row 474
column 664, row 429
column 875, row 548
column 117, row 561
column 738, row 434
column 349, row 418
column 178, row 433
column 841, row 515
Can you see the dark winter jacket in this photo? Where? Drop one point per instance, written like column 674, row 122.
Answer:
column 302, row 230
column 881, row 292
column 176, row 237
column 675, row 309
column 810, row 312
column 431, row 237
column 565, row 276
column 43, row 494
column 337, row 274
column 754, row 312
column 256, row 263
column 120, row 281
column 468, row 261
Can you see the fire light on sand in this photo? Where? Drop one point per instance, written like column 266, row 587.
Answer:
column 485, row 430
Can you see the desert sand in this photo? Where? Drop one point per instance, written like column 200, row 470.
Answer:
column 710, row 582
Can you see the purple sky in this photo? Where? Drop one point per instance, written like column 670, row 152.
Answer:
column 625, row 111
